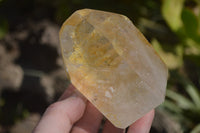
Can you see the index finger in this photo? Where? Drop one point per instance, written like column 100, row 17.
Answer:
column 142, row 125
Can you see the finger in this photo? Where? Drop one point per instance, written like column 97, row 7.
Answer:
column 142, row 125
column 71, row 90
column 110, row 128
column 90, row 121
column 68, row 92
column 60, row 116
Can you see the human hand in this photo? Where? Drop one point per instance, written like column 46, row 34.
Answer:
column 73, row 113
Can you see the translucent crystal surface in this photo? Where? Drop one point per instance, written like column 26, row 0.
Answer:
column 111, row 63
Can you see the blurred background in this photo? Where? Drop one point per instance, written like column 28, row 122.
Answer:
column 31, row 68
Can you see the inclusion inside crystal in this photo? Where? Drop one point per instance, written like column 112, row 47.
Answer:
column 112, row 64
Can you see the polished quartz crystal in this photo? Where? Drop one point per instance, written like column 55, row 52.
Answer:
column 112, row 64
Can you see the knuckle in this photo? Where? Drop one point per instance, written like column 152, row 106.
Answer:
column 55, row 106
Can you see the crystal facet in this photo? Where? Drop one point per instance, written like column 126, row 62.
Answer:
column 112, row 64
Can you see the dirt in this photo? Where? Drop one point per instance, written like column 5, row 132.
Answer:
column 31, row 70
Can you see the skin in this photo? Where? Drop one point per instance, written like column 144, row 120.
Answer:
column 72, row 113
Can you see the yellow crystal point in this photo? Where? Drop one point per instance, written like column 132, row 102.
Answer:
column 112, row 64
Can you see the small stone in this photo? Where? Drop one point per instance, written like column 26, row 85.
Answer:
column 11, row 76
column 112, row 64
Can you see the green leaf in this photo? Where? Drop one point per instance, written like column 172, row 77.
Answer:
column 191, row 90
column 171, row 10
column 197, row 2
column 192, row 47
column 194, row 94
column 181, row 101
column 3, row 27
column 172, row 106
column 2, row 102
column 196, row 129
column 172, row 61
column 190, row 23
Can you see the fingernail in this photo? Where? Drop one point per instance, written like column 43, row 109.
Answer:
column 78, row 94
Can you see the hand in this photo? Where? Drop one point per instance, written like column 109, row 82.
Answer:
column 73, row 113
